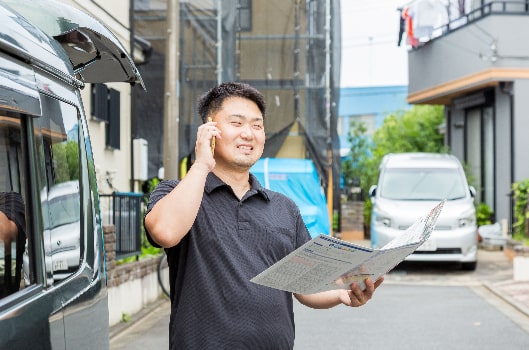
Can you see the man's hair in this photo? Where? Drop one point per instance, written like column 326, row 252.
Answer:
column 212, row 100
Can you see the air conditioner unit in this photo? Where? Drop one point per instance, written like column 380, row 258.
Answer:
column 141, row 159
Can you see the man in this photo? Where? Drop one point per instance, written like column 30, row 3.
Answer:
column 12, row 231
column 220, row 228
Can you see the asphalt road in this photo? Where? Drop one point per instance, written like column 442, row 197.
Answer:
column 420, row 306
column 412, row 317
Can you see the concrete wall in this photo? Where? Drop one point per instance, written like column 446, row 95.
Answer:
column 131, row 286
column 352, row 221
column 138, row 288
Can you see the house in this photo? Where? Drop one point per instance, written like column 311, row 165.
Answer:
column 109, row 105
column 475, row 62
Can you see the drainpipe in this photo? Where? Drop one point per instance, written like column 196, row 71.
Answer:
column 506, row 88
column 132, row 110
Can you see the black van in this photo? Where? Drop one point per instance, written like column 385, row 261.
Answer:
column 52, row 264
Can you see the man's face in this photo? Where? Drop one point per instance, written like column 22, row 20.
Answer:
column 243, row 136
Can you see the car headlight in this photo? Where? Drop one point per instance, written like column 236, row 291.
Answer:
column 386, row 222
column 383, row 220
column 469, row 220
column 381, row 217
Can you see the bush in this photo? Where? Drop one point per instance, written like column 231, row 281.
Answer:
column 520, row 191
column 484, row 214
column 368, row 207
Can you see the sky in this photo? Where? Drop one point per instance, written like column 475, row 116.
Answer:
column 370, row 55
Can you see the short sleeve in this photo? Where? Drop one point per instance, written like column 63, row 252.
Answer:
column 163, row 188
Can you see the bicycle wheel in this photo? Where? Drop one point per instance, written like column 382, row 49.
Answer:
column 163, row 275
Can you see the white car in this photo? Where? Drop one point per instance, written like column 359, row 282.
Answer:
column 409, row 185
column 61, row 213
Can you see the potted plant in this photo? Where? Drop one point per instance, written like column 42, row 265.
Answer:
column 518, row 245
column 484, row 215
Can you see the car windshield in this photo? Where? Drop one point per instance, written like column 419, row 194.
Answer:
column 422, row 184
column 62, row 211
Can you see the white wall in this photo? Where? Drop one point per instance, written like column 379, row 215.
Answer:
column 132, row 296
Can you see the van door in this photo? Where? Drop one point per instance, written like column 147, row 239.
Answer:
column 53, row 256
column 26, row 308
column 52, row 279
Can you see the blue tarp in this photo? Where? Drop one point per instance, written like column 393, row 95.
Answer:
column 297, row 179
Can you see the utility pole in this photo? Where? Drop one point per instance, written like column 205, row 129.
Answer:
column 219, row 41
column 330, row 184
column 171, row 125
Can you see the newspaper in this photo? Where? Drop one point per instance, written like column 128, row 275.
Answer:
column 326, row 263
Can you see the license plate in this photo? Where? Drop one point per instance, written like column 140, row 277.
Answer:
column 60, row 265
column 428, row 246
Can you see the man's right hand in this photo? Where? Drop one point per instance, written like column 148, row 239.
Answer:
column 205, row 134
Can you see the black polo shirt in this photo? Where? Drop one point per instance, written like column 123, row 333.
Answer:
column 213, row 303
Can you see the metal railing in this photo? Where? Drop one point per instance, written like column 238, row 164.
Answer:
column 124, row 211
column 493, row 7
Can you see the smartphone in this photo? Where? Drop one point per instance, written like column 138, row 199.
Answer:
column 212, row 140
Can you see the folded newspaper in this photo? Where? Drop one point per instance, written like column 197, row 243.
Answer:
column 326, row 263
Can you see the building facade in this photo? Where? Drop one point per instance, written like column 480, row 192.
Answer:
column 108, row 106
column 290, row 51
column 476, row 64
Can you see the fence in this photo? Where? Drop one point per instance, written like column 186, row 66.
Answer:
column 124, row 211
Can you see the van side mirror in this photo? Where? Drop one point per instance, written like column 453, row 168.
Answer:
column 472, row 191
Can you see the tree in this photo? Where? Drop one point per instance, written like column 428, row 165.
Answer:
column 66, row 158
column 414, row 130
column 353, row 168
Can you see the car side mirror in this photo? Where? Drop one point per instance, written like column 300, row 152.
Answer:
column 373, row 191
column 472, row 191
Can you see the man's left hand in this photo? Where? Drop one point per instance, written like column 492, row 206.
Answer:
column 355, row 296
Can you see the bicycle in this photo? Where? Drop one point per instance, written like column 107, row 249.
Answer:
column 163, row 274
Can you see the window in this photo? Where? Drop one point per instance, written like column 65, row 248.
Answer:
column 57, row 139
column 12, row 203
column 99, row 102
column 106, row 107
column 412, row 184
column 244, row 18
column 114, row 114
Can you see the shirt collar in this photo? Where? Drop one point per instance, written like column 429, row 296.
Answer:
column 213, row 182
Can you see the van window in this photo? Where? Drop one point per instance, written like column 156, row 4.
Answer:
column 422, row 184
column 57, row 142
column 12, row 203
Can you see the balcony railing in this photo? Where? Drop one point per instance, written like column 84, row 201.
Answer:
column 124, row 211
column 425, row 32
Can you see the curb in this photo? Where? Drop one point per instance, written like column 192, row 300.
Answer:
column 510, row 300
column 146, row 311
